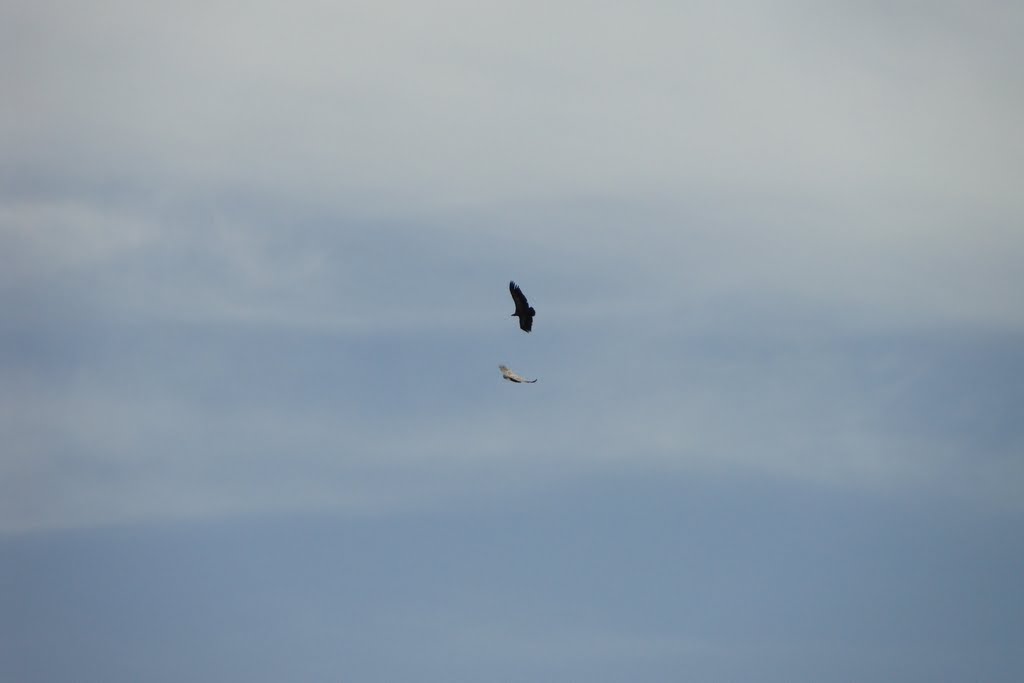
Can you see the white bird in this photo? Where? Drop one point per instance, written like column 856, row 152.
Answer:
column 513, row 377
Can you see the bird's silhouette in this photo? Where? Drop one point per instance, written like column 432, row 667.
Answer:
column 524, row 311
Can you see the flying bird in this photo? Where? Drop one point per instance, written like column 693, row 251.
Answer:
column 523, row 310
column 513, row 377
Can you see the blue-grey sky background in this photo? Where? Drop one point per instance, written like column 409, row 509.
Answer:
column 254, row 261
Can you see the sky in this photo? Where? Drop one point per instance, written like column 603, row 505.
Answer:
column 254, row 266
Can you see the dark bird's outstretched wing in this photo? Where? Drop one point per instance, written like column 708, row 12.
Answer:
column 523, row 310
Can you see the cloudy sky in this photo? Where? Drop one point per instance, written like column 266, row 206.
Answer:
column 254, row 261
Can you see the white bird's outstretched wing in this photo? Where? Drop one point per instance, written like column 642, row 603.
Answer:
column 513, row 377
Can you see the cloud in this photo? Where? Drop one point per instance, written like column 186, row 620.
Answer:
column 847, row 154
column 469, row 103
column 257, row 258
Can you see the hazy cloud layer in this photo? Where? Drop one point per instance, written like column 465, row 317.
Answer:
column 254, row 264
column 747, row 230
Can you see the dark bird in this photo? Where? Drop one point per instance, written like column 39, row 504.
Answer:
column 513, row 377
column 523, row 310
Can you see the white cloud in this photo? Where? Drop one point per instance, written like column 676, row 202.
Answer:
column 855, row 155
column 650, row 172
column 470, row 102
column 46, row 239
